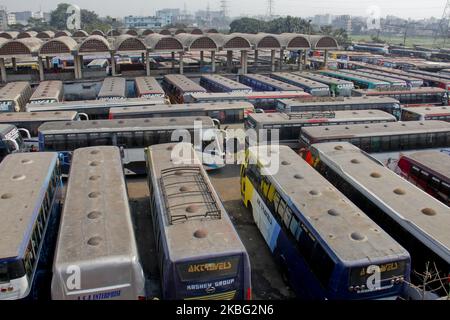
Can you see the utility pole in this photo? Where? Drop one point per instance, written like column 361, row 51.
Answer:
column 442, row 29
column 406, row 31
column 270, row 8
column 224, row 8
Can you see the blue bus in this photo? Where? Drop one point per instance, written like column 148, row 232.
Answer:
column 358, row 80
column 313, row 87
column 263, row 83
column 326, row 247
column 218, row 83
column 200, row 254
column 30, row 184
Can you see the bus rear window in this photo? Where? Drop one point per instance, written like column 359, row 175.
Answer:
column 11, row 270
column 389, row 271
column 209, row 269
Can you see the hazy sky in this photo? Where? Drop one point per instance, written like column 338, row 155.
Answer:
column 117, row 8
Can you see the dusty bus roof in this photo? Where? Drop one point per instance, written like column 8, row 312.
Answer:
column 250, row 95
column 25, row 178
column 184, row 107
column 340, row 223
column 187, row 203
column 148, row 85
column 125, row 124
column 340, row 101
column 430, row 111
column 226, row 82
column 412, row 207
column 307, row 117
column 12, row 117
column 438, row 162
column 13, row 89
column 324, row 79
column 112, row 87
column 280, row 85
column 376, row 129
column 183, row 83
column 109, row 233
column 285, row 76
column 48, row 90
column 420, row 90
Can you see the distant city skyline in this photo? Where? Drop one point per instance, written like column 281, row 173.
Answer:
column 402, row 8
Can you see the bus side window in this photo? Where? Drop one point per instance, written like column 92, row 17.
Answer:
column 435, row 182
column 294, row 227
column 415, row 171
column 276, row 201
column 265, row 185
column 445, row 188
column 322, row 264
column 305, row 243
column 281, row 209
column 287, row 217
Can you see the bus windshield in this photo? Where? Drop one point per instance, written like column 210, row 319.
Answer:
column 11, row 270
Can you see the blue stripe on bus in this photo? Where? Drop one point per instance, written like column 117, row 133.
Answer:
column 274, row 237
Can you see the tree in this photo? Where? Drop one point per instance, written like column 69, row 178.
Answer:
column 58, row 17
column 247, row 25
column 38, row 25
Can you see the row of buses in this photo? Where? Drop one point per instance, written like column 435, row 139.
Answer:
column 86, row 248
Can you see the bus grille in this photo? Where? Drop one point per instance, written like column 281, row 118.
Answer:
column 229, row 295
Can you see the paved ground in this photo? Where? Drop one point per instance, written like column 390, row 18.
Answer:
column 266, row 278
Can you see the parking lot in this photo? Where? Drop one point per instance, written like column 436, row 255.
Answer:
column 267, row 281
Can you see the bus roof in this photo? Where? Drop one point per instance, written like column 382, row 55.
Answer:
column 183, row 83
column 226, row 82
column 394, row 81
column 250, row 95
column 5, row 128
column 112, row 87
column 392, row 75
column 87, row 104
column 48, row 90
column 428, row 111
column 186, row 194
column 414, row 90
column 339, row 101
column 340, row 223
column 148, row 85
column 314, row 117
column 125, row 124
column 25, row 178
column 96, row 220
column 376, row 129
column 409, row 204
column 13, row 117
column 354, row 76
column 285, row 76
column 322, row 78
column 279, row 85
column 13, row 89
column 213, row 106
column 435, row 161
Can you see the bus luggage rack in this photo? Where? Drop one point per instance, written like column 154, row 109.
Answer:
column 190, row 182
column 312, row 115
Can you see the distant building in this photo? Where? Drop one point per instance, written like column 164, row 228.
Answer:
column 11, row 18
column 343, row 22
column 168, row 16
column 142, row 22
column 23, row 16
column 322, row 19
column 3, row 19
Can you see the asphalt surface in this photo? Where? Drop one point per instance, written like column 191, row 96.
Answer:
column 267, row 281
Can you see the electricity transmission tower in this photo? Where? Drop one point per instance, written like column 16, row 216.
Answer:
column 444, row 24
column 270, row 8
column 224, row 7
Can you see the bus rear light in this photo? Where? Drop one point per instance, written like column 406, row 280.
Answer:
column 351, row 288
column 141, row 298
column 249, row 294
column 3, row 289
column 10, row 289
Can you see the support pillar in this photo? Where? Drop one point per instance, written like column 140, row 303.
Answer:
column 173, row 60
column 325, row 58
column 14, row 64
column 229, row 60
column 47, row 62
column 299, row 60
column 41, row 68
column 213, row 61
column 272, row 60
column 113, row 65
column 2, row 70
column 304, row 58
column 256, row 59
column 80, row 67
column 202, row 59
column 75, row 67
column 181, row 63
column 143, row 57
column 281, row 59
column 147, row 63
column 244, row 59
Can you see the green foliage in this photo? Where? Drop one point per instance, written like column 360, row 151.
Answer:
column 38, row 25
column 247, row 25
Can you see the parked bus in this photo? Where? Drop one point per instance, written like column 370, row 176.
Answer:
column 14, row 96
column 389, row 105
column 263, row 83
column 393, row 82
column 224, row 113
column 132, row 136
column 218, row 83
column 10, row 140
column 113, row 88
column 266, row 100
column 358, row 80
column 148, row 87
column 338, row 87
column 30, row 186
column 415, row 219
column 325, row 245
column 384, row 141
column 179, row 86
column 411, row 97
column 412, row 81
column 93, row 109
column 48, row 92
column 200, row 255
column 426, row 113
column 428, row 73
column 430, row 171
column 103, row 245
column 30, row 121
column 314, row 88
column 289, row 125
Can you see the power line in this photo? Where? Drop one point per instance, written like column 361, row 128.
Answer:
column 443, row 27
